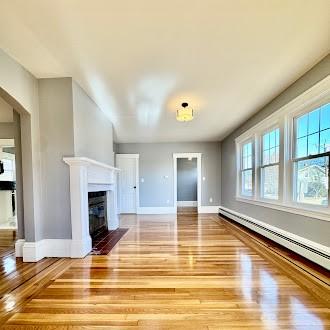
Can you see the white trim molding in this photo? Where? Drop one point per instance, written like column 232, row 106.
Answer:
column 197, row 155
column 157, row 210
column 19, row 248
column 186, row 203
column 311, row 250
column 46, row 248
column 208, row 209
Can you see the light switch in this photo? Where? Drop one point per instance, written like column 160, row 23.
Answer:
column 203, row 178
column 142, row 180
column 211, row 200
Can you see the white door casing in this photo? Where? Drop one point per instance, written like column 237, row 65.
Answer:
column 128, row 182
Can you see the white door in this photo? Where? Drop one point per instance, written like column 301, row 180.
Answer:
column 127, row 183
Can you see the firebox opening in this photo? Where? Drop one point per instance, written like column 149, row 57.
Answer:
column 97, row 202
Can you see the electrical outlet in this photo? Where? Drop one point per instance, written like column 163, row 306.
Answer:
column 211, row 200
column 168, row 201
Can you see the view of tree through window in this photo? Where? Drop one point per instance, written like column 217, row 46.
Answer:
column 312, row 152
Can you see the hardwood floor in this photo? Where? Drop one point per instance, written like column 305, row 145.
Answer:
column 194, row 272
column 7, row 241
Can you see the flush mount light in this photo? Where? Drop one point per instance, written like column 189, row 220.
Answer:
column 185, row 113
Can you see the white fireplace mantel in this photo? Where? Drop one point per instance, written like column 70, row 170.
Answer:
column 89, row 175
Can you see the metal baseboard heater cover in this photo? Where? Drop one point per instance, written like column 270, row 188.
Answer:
column 313, row 251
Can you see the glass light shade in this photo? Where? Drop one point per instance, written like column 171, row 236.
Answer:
column 185, row 114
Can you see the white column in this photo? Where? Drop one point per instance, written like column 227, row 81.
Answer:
column 81, row 241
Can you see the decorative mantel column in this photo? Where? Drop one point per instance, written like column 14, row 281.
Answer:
column 89, row 175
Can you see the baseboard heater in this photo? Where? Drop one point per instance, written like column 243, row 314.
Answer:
column 313, row 251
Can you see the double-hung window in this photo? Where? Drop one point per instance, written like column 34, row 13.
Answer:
column 270, row 164
column 247, row 169
column 283, row 161
column 311, row 157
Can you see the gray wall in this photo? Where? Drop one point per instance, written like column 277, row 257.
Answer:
column 70, row 125
column 56, row 139
column 92, row 128
column 156, row 162
column 313, row 229
column 19, row 88
column 186, row 179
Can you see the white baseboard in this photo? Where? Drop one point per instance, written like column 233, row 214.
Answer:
column 51, row 248
column 156, row 210
column 19, row 248
column 311, row 250
column 186, row 203
column 208, row 209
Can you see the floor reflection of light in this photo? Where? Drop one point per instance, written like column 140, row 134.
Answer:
column 246, row 274
column 9, row 302
column 9, row 265
column 302, row 317
column 269, row 298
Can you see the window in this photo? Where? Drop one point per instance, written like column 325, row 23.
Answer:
column 270, row 164
column 283, row 161
column 311, row 157
column 247, row 170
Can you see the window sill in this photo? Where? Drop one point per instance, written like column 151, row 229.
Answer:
column 311, row 213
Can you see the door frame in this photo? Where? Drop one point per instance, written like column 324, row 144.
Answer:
column 137, row 192
column 197, row 155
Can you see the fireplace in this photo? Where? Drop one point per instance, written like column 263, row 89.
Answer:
column 90, row 176
column 97, row 207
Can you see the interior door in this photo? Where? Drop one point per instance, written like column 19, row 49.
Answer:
column 127, row 184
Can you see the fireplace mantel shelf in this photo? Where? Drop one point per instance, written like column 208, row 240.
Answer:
column 87, row 162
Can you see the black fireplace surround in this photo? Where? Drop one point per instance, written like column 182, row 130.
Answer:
column 97, row 204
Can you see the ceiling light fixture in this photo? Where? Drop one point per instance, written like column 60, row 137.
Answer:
column 185, row 113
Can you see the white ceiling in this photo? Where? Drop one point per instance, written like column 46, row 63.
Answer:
column 139, row 59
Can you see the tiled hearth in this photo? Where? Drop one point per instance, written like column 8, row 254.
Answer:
column 104, row 242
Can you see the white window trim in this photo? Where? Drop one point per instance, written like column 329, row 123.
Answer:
column 283, row 118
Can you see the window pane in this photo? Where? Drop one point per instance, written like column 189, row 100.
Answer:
column 250, row 148
column 314, row 121
column 247, row 183
column 277, row 137
column 265, row 157
column 312, row 181
column 272, row 139
column 272, row 156
column 301, row 147
column 277, row 154
column 249, row 162
column 313, row 144
column 265, row 142
column 325, row 141
column 325, row 117
column 270, row 182
column 302, row 126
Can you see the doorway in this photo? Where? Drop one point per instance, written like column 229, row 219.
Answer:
column 187, row 182
column 128, row 184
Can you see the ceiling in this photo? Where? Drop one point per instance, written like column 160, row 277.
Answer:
column 139, row 60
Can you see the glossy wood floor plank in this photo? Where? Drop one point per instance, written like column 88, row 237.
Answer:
column 190, row 272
